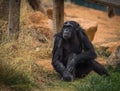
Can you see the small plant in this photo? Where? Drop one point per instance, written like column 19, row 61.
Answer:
column 15, row 70
column 101, row 51
column 98, row 83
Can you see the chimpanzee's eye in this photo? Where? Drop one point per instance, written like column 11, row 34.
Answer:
column 67, row 26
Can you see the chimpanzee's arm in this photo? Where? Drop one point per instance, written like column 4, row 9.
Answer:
column 88, row 52
column 57, row 56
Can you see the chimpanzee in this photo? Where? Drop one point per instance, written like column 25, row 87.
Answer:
column 73, row 54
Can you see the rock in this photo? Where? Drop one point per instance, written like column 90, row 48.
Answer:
column 114, row 58
column 111, row 46
column 90, row 29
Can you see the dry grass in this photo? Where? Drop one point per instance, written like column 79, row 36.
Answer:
column 18, row 69
column 15, row 70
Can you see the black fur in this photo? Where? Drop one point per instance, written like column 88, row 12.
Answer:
column 79, row 45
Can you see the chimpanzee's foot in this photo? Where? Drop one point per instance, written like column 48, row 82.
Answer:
column 105, row 73
column 100, row 69
column 68, row 79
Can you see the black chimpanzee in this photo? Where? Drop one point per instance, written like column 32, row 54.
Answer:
column 73, row 54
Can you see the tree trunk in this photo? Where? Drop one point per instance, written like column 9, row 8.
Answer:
column 13, row 19
column 58, row 15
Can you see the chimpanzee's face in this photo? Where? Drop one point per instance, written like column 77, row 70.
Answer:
column 67, row 32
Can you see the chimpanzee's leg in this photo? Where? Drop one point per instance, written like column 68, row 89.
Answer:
column 83, row 69
column 99, row 68
column 80, row 69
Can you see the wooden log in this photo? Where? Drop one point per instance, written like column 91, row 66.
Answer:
column 13, row 18
column 111, row 3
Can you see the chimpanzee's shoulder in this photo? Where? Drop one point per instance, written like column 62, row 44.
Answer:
column 81, row 33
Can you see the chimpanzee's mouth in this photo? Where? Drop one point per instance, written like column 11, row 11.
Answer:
column 65, row 34
column 65, row 37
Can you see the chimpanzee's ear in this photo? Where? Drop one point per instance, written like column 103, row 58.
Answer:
column 77, row 27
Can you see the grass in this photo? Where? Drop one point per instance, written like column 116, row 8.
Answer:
column 101, row 52
column 19, row 72
column 17, row 65
column 97, row 83
column 92, row 82
column 15, row 69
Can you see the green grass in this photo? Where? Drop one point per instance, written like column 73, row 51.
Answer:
column 93, row 82
column 98, row 83
column 102, row 52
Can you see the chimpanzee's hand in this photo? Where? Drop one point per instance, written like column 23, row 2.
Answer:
column 71, row 62
column 67, row 76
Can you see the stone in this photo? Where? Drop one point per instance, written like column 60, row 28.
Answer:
column 90, row 29
column 110, row 47
column 114, row 58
